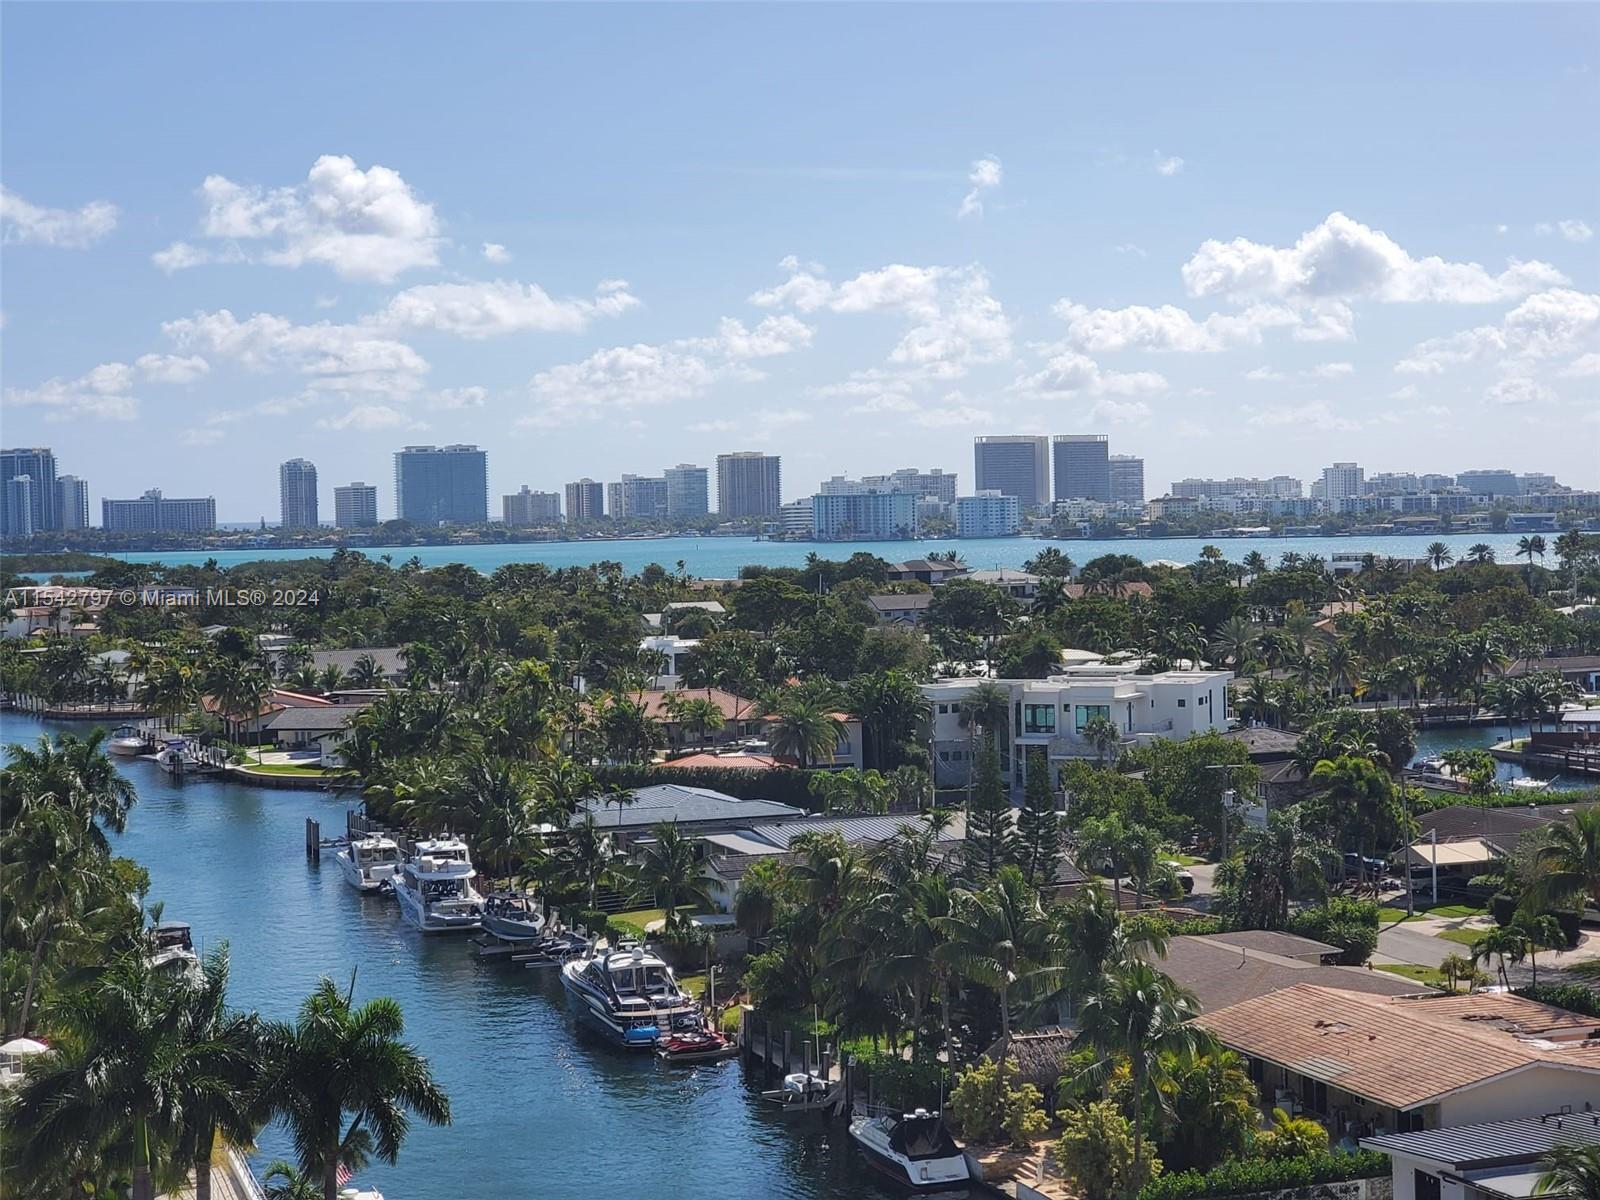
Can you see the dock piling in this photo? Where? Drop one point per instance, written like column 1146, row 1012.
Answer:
column 313, row 840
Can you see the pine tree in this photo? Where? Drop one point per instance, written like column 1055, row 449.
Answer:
column 990, row 843
column 1038, row 825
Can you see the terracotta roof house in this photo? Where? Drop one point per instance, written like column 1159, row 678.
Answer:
column 740, row 717
column 1407, row 1065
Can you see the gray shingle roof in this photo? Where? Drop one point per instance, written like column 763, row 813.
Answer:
column 853, row 829
column 686, row 805
column 1498, row 1142
column 313, row 717
column 1273, row 942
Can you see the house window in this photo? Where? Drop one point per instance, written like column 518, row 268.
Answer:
column 1088, row 712
column 1038, row 718
column 944, row 710
column 1425, row 1186
column 1182, row 703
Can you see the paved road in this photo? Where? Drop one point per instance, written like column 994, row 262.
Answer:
column 1409, row 942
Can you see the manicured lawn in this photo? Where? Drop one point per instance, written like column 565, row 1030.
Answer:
column 291, row 769
column 1388, row 916
column 1389, row 913
column 1464, row 937
column 1189, row 860
column 1427, row 975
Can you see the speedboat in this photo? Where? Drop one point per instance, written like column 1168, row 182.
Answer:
column 803, row 1092
column 913, row 1149
column 174, row 949
column 369, row 863
column 554, row 950
column 435, row 890
column 1527, row 783
column 513, row 917
column 628, row 995
column 177, row 756
column 691, row 1042
column 125, row 739
column 1432, row 764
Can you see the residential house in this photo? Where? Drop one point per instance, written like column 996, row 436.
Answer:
column 695, row 810
column 389, row 660
column 1497, row 1160
column 1051, row 714
column 739, row 716
column 924, row 570
column 674, row 652
column 1019, row 585
column 1381, row 1065
column 908, row 609
column 1282, row 780
column 1224, row 969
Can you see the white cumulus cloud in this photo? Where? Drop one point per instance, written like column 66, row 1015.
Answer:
column 484, row 310
column 1168, row 164
column 65, row 228
column 1572, row 229
column 496, row 253
column 984, row 176
column 344, row 357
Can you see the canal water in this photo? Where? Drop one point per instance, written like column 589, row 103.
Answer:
column 1481, row 737
column 541, row 1110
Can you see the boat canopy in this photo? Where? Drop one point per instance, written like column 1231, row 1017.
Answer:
column 921, row 1135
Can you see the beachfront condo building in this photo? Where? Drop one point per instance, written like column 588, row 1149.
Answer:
column 1013, row 465
column 355, row 505
column 748, row 484
column 297, row 494
column 442, row 485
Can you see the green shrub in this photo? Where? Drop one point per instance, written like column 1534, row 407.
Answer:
column 901, row 1082
column 1244, row 1175
column 1025, row 1119
column 1574, row 997
column 1343, row 921
column 984, row 1111
column 1095, row 1150
column 1292, row 1138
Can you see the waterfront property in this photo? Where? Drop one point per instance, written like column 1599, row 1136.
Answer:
column 672, row 651
column 692, row 809
column 1384, row 1065
column 1225, row 968
column 896, row 609
column 1497, row 1160
column 1053, row 714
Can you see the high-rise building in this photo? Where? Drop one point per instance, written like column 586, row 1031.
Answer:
column 72, row 502
column 1340, row 482
column 989, row 513
column 155, row 513
column 436, row 485
column 586, row 500
column 688, row 490
column 17, row 496
column 1435, row 482
column 1127, row 479
column 1490, row 483
column 355, row 505
column 748, row 484
column 936, row 483
column 636, row 497
column 873, row 516
column 1013, row 465
column 39, row 465
column 297, row 494
column 795, row 518
column 530, row 508
column 1534, row 483
column 1282, row 486
column 1081, row 465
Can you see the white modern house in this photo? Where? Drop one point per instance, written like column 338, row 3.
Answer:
column 1051, row 714
column 673, row 651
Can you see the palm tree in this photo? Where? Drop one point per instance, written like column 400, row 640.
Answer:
column 503, row 797
column 1454, row 968
column 1572, row 1171
column 217, row 1073
column 1272, row 867
column 1567, row 864
column 108, row 1084
column 1480, row 552
column 1439, row 555
column 1139, row 1016
column 1503, row 944
column 1529, row 547
column 366, row 673
column 585, row 856
column 668, row 870
column 339, row 1061
column 805, row 729
column 284, row 1181
column 701, row 717
column 74, row 774
column 985, row 710
column 1235, row 641
column 1102, row 733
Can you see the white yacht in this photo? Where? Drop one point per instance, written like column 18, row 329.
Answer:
column 434, row 887
column 513, row 917
column 913, row 1149
column 125, row 739
column 628, row 995
column 173, row 949
column 369, row 862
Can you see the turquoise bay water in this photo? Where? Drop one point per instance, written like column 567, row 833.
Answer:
column 541, row 1110
column 714, row 557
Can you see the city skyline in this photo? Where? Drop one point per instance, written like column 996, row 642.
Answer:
column 1003, row 247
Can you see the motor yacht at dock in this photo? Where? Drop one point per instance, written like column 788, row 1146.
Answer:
column 434, row 887
column 628, row 995
column 125, row 739
column 913, row 1149
column 368, row 864
column 513, row 917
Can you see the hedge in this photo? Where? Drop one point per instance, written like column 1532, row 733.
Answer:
column 1571, row 996
column 1242, row 1176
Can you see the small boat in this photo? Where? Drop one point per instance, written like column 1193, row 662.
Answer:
column 554, row 950
column 1527, row 783
column 125, row 739
column 627, row 995
column 803, row 1093
column 691, row 1042
column 512, row 916
column 177, row 757
column 1432, row 764
column 369, row 864
column 174, row 949
column 913, row 1149
column 435, row 890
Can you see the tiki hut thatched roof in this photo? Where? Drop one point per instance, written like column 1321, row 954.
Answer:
column 1039, row 1054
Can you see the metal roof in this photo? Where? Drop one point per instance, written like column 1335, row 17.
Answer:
column 1497, row 1143
column 852, row 829
column 676, row 802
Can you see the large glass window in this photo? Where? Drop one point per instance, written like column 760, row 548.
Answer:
column 1038, row 718
column 1088, row 712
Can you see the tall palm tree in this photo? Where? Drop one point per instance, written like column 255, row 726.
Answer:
column 805, row 729
column 365, row 672
column 337, row 1061
column 1139, row 1016
column 503, row 796
column 668, row 869
column 585, row 856
column 285, row 1181
column 108, row 1084
column 995, row 937
column 1480, row 552
column 72, row 773
column 986, row 710
column 1503, row 944
column 1235, row 642
column 1273, row 866
column 1529, row 548
column 1571, row 1171
column 1567, row 863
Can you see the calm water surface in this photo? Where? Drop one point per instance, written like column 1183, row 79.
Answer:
column 720, row 558
column 540, row 1109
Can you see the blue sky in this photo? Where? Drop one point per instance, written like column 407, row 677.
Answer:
column 1238, row 240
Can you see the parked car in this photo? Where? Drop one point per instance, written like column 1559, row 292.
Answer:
column 1375, row 867
column 1182, row 874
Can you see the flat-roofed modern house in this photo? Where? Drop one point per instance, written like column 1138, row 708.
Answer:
column 1051, row 714
column 1498, row 1160
column 1378, row 1065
